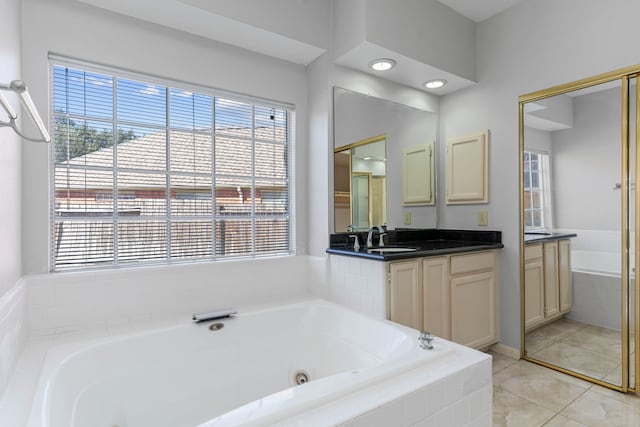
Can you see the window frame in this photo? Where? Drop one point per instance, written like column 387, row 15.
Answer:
column 214, row 93
column 544, row 180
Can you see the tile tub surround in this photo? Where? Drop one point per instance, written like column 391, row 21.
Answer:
column 63, row 303
column 360, row 284
column 453, row 390
column 13, row 330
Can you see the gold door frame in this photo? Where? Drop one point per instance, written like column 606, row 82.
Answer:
column 623, row 74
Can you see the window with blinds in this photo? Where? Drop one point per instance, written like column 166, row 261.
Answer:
column 143, row 172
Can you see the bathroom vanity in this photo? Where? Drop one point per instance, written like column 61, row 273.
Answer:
column 445, row 282
column 547, row 277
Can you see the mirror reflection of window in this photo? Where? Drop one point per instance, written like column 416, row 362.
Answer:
column 537, row 194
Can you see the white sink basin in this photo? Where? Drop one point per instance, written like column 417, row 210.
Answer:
column 386, row 250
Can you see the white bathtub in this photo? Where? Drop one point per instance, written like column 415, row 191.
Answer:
column 596, row 262
column 597, row 287
column 242, row 374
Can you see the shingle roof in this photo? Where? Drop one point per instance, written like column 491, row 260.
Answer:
column 142, row 161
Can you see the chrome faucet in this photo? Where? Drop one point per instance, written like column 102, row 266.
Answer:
column 356, row 243
column 425, row 339
column 370, row 235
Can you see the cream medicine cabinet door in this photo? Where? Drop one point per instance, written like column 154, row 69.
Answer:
column 468, row 169
column 417, row 175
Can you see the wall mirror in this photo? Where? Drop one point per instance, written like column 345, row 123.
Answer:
column 369, row 136
column 578, row 214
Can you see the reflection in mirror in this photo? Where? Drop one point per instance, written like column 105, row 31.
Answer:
column 573, row 287
column 386, row 127
column 360, row 185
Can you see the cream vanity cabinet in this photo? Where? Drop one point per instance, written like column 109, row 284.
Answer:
column 454, row 297
column 405, row 293
column 547, row 281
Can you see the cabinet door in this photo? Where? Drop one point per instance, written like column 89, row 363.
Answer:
column 405, row 293
column 417, row 175
column 436, row 297
column 533, row 293
column 564, row 275
column 467, row 169
column 551, row 288
column 474, row 319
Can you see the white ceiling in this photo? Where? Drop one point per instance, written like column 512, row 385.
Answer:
column 408, row 71
column 233, row 25
column 192, row 18
column 479, row 10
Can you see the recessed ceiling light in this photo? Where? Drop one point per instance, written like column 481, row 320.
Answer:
column 435, row 84
column 382, row 64
column 367, row 158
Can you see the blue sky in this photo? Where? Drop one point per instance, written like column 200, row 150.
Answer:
column 142, row 104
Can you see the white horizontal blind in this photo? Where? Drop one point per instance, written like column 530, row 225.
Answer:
column 144, row 172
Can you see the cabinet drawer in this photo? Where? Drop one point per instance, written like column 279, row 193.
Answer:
column 472, row 262
column 532, row 252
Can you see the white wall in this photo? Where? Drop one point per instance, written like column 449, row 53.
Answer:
column 409, row 30
column 587, row 164
column 79, row 31
column 531, row 46
column 12, row 294
column 425, row 30
column 537, row 140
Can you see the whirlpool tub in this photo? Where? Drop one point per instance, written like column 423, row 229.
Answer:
column 264, row 367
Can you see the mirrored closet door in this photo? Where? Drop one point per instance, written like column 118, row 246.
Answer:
column 578, row 214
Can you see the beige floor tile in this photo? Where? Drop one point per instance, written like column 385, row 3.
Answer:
column 602, row 332
column 626, row 398
column 578, row 359
column 614, row 377
column 551, row 331
column 499, row 361
column 539, row 385
column 535, row 343
column 562, row 421
column 510, row 410
column 596, row 409
column 570, row 324
column 596, row 342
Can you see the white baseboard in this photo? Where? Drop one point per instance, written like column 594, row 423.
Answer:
column 505, row 350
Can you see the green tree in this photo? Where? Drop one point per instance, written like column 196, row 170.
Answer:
column 73, row 139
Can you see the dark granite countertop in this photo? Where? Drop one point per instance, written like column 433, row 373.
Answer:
column 540, row 237
column 426, row 242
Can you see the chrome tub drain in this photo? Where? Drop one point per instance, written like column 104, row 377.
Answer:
column 300, row 377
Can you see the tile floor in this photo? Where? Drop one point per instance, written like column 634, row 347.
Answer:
column 590, row 350
column 528, row 395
